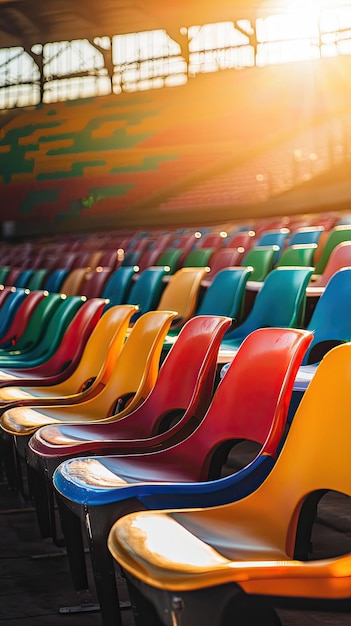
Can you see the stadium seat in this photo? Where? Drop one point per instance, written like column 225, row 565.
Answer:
column 261, row 260
column 236, row 563
column 182, row 474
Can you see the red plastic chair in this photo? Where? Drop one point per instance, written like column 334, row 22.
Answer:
column 226, row 257
column 251, row 405
column 65, row 359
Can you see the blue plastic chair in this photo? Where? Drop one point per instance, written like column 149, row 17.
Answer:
column 55, row 280
column 118, row 285
column 274, row 238
column 146, row 291
column 280, row 302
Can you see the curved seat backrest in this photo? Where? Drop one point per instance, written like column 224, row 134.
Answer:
column 36, row 281
column 335, row 236
column 280, row 302
column 95, row 281
column 4, row 272
column 211, row 240
column 100, row 350
column 72, row 284
column 55, row 279
column 306, row 235
column 9, row 307
column 170, row 258
column 23, row 278
column 146, row 291
column 38, row 321
column 339, row 257
column 226, row 294
column 182, row 292
column 221, row 259
column 298, row 255
column 118, row 285
column 274, row 238
column 330, row 321
column 57, row 324
column 131, row 258
column 20, row 318
column 200, row 257
column 261, row 260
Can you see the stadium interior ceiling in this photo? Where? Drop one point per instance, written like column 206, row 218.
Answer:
column 25, row 24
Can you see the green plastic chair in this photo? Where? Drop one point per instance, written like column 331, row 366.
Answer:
column 49, row 339
column 336, row 236
column 4, row 271
column 199, row 257
column 281, row 303
column 170, row 258
column 298, row 255
column 147, row 290
column 36, row 326
column 261, row 260
column 36, row 281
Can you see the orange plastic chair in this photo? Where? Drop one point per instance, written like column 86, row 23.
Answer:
column 91, row 373
column 237, row 561
column 181, row 293
column 73, row 283
column 132, row 379
column 186, row 471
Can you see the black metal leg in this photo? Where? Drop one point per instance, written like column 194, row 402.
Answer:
column 72, row 530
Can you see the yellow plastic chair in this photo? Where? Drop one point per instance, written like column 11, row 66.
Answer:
column 133, row 377
column 93, row 371
column 182, row 292
column 232, row 564
column 73, row 283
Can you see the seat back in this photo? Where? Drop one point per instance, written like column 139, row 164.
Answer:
column 306, row 235
column 117, row 287
column 211, row 240
column 37, row 279
column 261, row 260
column 184, row 385
column 101, row 349
column 23, row 278
column 221, row 259
column 170, row 258
column 131, row 258
column 281, row 302
column 4, row 272
column 50, row 338
column 330, row 321
column 20, row 318
column 146, row 291
column 274, row 238
column 95, row 281
column 54, row 281
column 298, row 255
column 182, row 292
column 38, row 321
column 73, row 283
column 200, row 257
column 339, row 257
column 335, row 236
column 226, row 294
column 63, row 362
column 9, row 307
